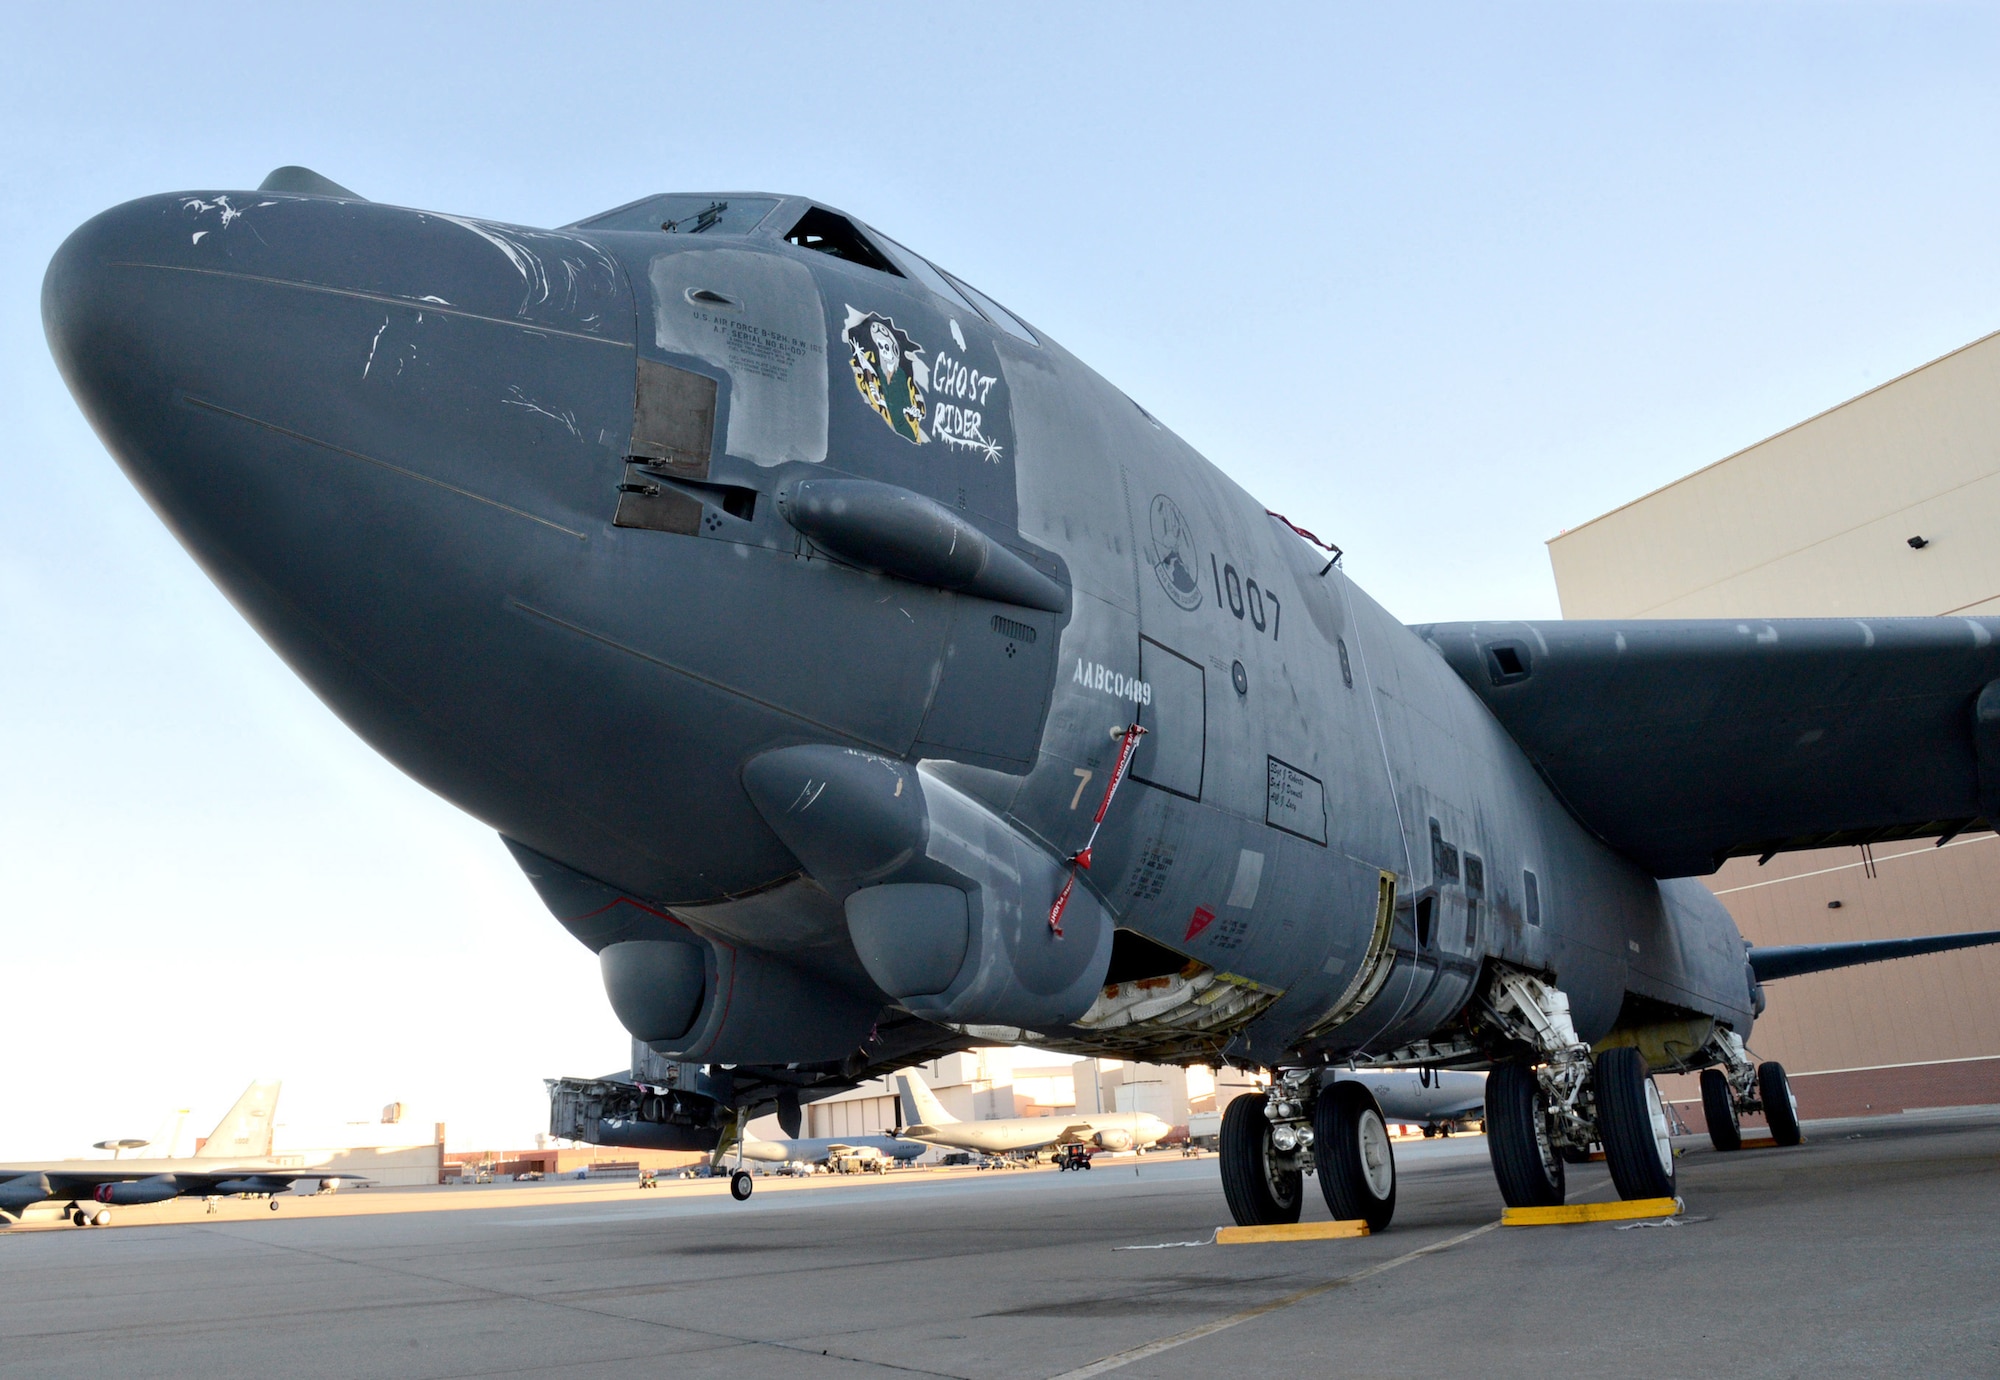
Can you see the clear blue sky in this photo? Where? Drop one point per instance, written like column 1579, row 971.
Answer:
column 1438, row 281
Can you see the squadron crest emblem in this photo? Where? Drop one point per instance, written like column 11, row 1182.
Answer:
column 889, row 372
column 1174, row 556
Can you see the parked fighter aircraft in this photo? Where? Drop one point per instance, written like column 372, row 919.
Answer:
column 1105, row 1130
column 235, row 1159
column 798, row 615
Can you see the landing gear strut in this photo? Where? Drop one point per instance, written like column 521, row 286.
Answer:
column 1541, row 1113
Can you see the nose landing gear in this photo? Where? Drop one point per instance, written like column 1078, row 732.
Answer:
column 740, row 1185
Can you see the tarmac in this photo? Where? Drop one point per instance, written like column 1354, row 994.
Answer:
column 1870, row 1250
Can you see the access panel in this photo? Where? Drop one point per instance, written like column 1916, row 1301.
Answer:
column 1175, row 718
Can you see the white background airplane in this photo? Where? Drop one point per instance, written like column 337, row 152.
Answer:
column 1105, row 1130
column 1422, row 1097
column 820, row 1149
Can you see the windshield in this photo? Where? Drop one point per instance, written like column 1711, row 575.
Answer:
column 687, row 213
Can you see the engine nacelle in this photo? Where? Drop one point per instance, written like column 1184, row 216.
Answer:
column 693, row 998
column 156, row 1189
column 705, row 1002
column 1112, row 1140
column 947, row 904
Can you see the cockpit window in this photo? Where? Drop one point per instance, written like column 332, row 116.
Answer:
column 828, row 232
column 925, row 273
column 952, row 290
column 687, row 213
column 994, row 312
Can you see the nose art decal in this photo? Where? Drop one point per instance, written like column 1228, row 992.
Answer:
column 889, row 372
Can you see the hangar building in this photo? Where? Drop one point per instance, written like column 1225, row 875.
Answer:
column 1888, row 504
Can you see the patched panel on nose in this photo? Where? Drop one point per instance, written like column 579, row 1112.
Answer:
column 673, row 418
column 758, row 318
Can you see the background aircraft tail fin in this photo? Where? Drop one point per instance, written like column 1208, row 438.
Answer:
column 167, row 1140
column 245, row 1129
column 919, row 1102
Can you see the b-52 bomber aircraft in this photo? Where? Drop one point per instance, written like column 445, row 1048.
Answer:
column 863, row 677
column 235, row 1160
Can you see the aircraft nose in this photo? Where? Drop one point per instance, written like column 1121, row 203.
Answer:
column 108, row 326
column 372, row 426
column 208, row 336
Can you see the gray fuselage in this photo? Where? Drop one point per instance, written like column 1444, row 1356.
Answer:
column 397, row 441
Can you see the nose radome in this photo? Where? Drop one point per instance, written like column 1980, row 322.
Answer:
column 375, row 428
column 342, row 320
column 99, row 335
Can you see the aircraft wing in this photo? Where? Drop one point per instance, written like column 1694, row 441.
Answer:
column 23, row 1186
column 1682, row 743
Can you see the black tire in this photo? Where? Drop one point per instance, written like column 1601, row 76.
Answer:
column 1638, row 1149
column 1517, row 1138
column 1718, row 1107
column 1260, row 1192
column 1781, row 1113
column 1357, row 1164
column 739, row 1185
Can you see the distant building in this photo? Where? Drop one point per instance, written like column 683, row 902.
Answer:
column 390, row 1154
column 1888, row 504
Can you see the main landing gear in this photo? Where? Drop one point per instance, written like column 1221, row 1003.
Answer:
column 1549, row 1109
column 1739, row 1085
column 1543, row 1112
column 1270, row 1144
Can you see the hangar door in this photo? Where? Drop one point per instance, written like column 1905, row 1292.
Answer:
column 1170, row 755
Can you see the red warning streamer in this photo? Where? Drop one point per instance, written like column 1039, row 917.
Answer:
column 1082, row 858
